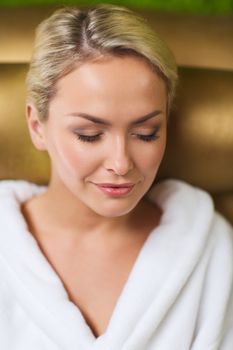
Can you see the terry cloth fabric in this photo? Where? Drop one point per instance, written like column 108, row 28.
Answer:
column 178, row 295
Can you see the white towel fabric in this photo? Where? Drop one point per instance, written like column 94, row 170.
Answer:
column 178, row 295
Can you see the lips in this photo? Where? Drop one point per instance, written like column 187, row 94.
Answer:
column 113, row 185
column 114, row 190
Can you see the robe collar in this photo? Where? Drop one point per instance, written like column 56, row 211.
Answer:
column 164, row 264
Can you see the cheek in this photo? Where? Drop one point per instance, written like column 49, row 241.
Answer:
column 150, row 163
column 74, row 158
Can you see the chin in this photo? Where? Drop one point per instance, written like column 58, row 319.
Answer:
column 116, row 210
column 113, row 214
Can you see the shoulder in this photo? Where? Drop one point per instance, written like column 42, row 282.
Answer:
column 182, row 194
column 19, row 189
column 222, row 242
column 171, row 189
column 192, row 208
column 172, row 185
column 183, row 203
column 13, row 193
column 16, row 185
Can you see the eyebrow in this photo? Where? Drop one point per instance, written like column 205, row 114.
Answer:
column 105, row 122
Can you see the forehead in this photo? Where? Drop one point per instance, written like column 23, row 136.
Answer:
column 112, row 83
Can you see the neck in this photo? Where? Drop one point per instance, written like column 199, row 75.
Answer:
column 61, row 209
column 53, row 216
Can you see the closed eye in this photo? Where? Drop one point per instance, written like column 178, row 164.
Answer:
column 97, row 137
column 148, row 138
column 87, row 138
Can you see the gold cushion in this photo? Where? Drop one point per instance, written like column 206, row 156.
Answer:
column 200, row 135
column 200, row 132
column 18, row 157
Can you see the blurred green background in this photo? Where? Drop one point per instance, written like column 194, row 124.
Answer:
column 189, row 6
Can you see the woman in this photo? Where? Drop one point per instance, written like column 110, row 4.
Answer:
column 102, row 258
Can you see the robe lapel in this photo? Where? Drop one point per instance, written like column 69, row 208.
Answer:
column 33, row 282
column 163, row 266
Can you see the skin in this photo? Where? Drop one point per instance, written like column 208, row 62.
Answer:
column 90, row 239
column 118, row 90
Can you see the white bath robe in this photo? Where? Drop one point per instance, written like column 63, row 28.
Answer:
column 178, row 295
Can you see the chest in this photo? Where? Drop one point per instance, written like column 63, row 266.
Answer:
column 94, row 275
column 94, row 282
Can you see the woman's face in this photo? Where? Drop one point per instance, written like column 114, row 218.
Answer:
column 93, row 135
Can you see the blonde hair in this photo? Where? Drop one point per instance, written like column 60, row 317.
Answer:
column 72, row 36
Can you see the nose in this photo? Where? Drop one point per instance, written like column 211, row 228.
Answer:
column 118, row 157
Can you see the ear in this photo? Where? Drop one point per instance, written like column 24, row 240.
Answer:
column 35, row 127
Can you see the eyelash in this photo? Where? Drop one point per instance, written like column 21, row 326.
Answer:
column 94, row 138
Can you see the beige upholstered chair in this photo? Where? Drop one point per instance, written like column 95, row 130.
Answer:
column 200, row 136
